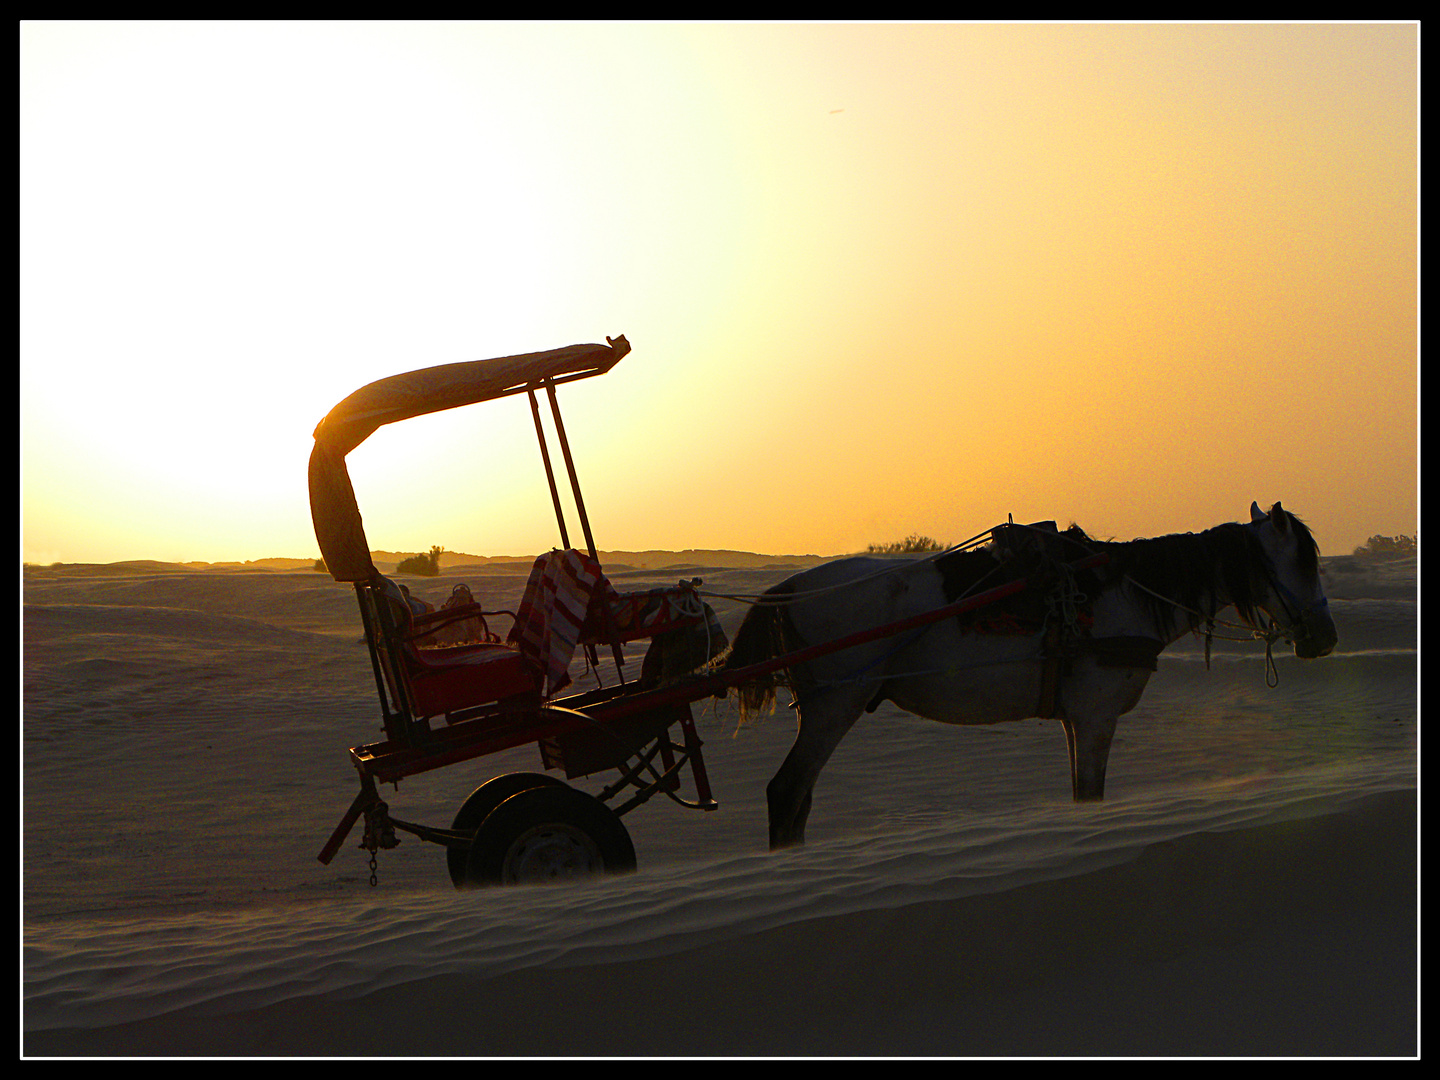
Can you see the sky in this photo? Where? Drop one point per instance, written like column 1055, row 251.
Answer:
column 878, row 279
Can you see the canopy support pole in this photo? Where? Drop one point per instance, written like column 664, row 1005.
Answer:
column 570, row 468
column 545, row 457
column 606, row 620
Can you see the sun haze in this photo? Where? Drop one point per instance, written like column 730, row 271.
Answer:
column 878, row 279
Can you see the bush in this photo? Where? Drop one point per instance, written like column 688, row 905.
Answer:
column 320, row 566
column 909, row 545
column 1387, row 547
column 425, row 565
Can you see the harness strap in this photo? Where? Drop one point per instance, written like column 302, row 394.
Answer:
column 1062, row 632
column 1139, row 653
column 1050, row 671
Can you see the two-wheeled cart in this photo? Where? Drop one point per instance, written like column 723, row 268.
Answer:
column 451, row 690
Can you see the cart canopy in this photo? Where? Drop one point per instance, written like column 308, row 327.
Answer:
column 333, row 509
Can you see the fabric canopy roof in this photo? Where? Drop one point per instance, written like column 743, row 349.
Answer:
column 449, row 386
column 333, row 509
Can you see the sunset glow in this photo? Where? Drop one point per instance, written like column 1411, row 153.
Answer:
column 878, row 279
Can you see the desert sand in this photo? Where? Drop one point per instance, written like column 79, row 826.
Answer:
column 1248, row 888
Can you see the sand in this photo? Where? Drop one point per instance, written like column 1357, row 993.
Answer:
column 1248, row 888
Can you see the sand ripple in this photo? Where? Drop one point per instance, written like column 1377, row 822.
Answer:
column 83, row 973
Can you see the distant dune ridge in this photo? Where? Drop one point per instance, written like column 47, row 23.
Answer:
column 651, row 559
column 386, row 561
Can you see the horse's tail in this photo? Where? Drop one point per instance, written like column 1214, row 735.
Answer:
column 765, row 633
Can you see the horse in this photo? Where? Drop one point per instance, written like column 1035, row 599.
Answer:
column 1078, row 642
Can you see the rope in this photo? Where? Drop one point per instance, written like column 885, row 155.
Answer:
column 1200, row 616
column 977, row 540
column 1068, row 602
column 1270, row 636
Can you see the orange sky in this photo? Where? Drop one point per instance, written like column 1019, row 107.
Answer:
column 878, row 279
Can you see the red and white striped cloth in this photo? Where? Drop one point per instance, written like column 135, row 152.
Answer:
column 547, row 626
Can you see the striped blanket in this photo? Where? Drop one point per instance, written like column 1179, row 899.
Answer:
column 560, row 610
column 547, row 626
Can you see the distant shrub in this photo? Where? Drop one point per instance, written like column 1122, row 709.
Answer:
column 909, row 545
column 427, row 565
column 1387, row 547
column 320, row 566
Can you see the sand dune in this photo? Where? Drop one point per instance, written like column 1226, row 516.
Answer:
column 1246, row 942
column 1249, row 887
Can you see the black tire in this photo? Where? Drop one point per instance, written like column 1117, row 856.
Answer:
column 549, row 834
column 481, row 803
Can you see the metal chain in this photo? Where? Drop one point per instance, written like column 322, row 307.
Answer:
column 379, row 832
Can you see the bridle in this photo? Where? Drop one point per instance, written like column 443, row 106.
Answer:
column 1293, row 607
column 1295, row 610
column 1289, row 603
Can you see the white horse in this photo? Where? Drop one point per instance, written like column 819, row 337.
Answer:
column 1078, row 645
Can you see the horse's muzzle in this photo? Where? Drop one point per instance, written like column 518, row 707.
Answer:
column 1315, row 636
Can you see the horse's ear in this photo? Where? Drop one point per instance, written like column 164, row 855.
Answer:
column 1277, row 518
column 1256, row 515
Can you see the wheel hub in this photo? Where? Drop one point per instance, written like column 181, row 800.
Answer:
column 552, row 852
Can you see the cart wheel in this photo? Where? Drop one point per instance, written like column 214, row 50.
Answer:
column 549, row 834
column 478, row 806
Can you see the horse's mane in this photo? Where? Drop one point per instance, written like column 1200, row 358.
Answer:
column 1307, row 548
column 1183, row 567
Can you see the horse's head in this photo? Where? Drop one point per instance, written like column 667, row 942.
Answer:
column 1292, row 594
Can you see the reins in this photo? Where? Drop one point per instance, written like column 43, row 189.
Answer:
column 1270, row 636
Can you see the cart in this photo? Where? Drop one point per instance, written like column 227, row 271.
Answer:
column 451, row 690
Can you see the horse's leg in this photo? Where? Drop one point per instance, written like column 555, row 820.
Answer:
column 824, row 720
column 1089, row 741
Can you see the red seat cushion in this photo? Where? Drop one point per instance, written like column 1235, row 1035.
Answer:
column 445, row 680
